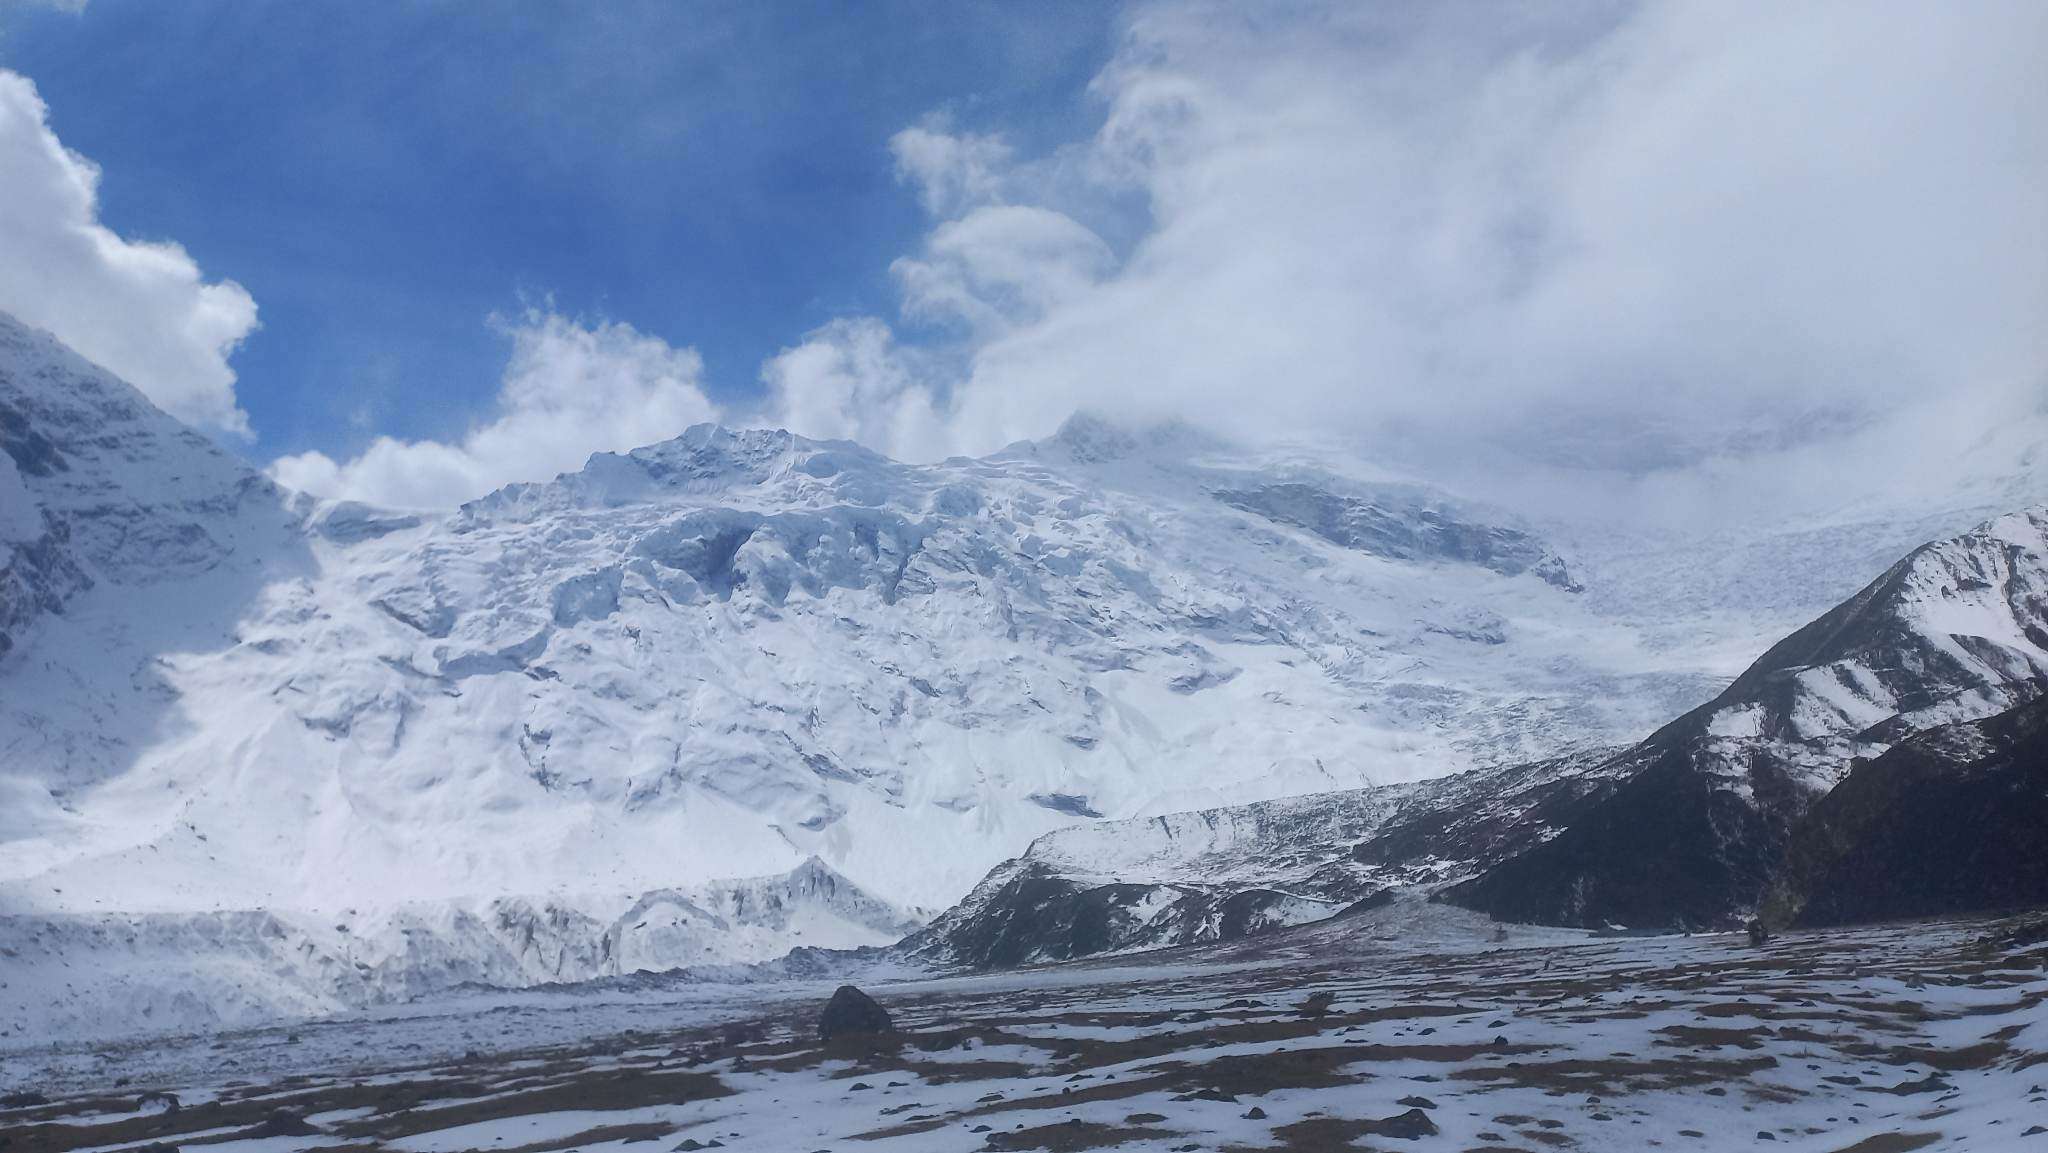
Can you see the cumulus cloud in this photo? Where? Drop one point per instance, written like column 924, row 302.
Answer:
column 952, row 172
column 1622, row 236
column 999, row 266
column 569, row 390
column 139, row 308
column 850, row 380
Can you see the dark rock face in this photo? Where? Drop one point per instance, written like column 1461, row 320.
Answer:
column 1667, row 849
column 852, row 1013
column 1955, row 820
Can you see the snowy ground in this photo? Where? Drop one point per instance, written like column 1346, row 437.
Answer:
column 1434, row 1035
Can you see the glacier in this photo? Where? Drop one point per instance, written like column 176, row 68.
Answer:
column 741, row 653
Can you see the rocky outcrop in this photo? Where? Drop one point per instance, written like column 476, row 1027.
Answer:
column 1954, row 820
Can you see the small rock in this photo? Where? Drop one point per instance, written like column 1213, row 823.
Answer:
column 1254, row 1114
column 1317, row 1004
column 166, row 1103
column 857, row 1086
column 1417, row 1102
column 285, row 1123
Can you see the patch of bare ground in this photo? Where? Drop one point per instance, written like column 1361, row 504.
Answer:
column 1613, row 1076
column 1336, row 1134
column 1072, row 1137
column 1892, row 1143
column 624, row 1134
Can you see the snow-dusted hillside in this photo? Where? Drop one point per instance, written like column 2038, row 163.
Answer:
column 1687, row 827
column 1956, row 631
column 726, row 654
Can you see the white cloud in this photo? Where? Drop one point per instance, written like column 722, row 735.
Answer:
column 850, row 381
column 1638, row 237
column 141, row 309
column 569, row 390
column 952, row 172
column 999, row 266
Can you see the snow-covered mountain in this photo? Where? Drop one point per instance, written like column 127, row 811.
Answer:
column 730, row 653
column 1956, row 631
column 1937, row 670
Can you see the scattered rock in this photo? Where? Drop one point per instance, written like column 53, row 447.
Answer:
column 1254, row 1114
column 1417, row 1102
column 25, row 1099
column 1407, row 1126
column 166, row 1103
column 851, row 1012
column 284, row 1123
column 1317, row 1004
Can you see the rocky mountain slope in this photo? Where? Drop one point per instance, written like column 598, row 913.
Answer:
column 1956, row 631
column 1951, row 820
column 1686, row 828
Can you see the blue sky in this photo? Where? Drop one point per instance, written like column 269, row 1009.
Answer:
column 407, row 253
column 382, row 177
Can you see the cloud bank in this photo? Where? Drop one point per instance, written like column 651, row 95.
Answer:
column 1632, row 237
column 569, row 390
column 141, row 309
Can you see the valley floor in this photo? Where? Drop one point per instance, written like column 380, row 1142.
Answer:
column 1372, row 1033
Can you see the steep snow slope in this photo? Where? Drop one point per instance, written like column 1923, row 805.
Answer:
column 729, row 652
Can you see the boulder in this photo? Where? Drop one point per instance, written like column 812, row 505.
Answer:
column 852, row 1013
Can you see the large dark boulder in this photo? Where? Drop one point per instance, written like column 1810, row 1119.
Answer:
column 852, row 1013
